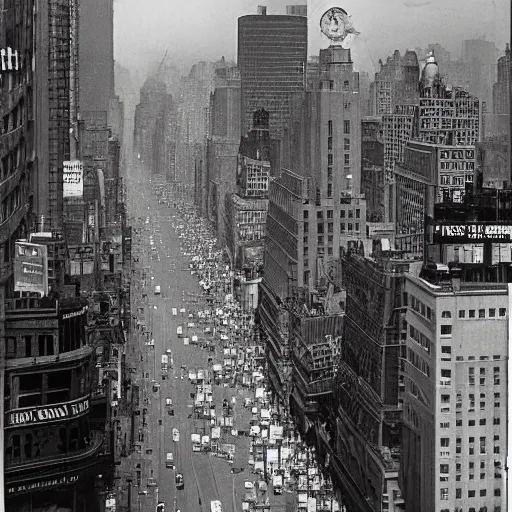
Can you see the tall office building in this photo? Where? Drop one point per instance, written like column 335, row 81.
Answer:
column 272, row 58
column 455, row 398
column 315, row 207
column 96, row 53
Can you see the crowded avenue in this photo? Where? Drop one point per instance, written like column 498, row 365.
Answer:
column 205, row 432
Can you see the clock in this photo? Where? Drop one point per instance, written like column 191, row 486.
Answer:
column 335, row 24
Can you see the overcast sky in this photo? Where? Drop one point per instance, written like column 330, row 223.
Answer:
column 193, row 30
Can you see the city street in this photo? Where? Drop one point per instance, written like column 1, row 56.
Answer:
column 206, row 477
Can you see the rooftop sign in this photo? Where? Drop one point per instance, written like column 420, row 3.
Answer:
column 452, row 233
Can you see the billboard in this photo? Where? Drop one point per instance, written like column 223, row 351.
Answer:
column 73, row 178
column 30, row 268
column 450, row 233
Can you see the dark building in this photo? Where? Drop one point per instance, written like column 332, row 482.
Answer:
column 55, row 411
column 367, row 390
column 272, row 58
column 96, row 54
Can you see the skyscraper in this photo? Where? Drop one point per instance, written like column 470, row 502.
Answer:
column 272, row 57
column 96, row 50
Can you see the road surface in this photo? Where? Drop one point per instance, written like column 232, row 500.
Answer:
column 206, row 477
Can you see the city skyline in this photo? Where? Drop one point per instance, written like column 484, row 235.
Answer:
column 189, row 34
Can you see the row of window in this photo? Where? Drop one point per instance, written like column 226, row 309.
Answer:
column 350, row 213
column 491, row 313
column 471, row 493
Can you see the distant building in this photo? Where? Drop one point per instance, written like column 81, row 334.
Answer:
column 272, row 57
column 396, row 83
column 152, row 98
column 479, row 56
column 297, row 10
column 499, row 127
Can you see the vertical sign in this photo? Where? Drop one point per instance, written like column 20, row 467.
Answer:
column 73, row 178
column 31, row 268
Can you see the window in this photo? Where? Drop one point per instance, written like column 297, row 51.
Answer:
column 45, row 343
column 482, row 445
column 306, row 226
column 446, row 330
column 492, row 312
column 471, row 494
column 497, row 400
column 329, row 173
column 329, row 143
column 445, row 424
column 462, row 313
column 306, row 214
column 496, row 421
column 458, row 493
column 346, row 159
column 481, row 313
column 330, row 214
column 502, row 312
column 342, row 214
column 444, row 493
column 483, row 492
column 346, row 126
column 482, row 421
column 497, row 492
column 358, row 213
column 329, row 128
column 329, row 159
column 346, row 144
column 446, row 314
column 444, row 468
column 445, row 442
column 445, row 399
column 320, row 214
column 329, row 189
column 496, row 375
column 471, row 313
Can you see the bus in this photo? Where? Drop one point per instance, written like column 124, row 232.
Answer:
column 215, row 506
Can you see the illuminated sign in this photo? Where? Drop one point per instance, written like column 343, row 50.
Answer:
column 47, row 414
column 43, row 484
column 73, row 178
column 465, row 232
column 30, row 268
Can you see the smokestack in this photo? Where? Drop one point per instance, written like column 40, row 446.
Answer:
column 262, row 10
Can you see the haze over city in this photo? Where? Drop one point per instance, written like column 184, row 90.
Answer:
column 201, row 30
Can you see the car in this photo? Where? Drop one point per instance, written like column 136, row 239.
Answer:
column 168, row 351
column 248, row 485
column 180, row 484
column 175, row 435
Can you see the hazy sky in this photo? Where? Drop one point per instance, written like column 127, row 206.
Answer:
column 206, row 29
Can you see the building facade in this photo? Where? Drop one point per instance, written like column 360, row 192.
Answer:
column 455, row 396
column 272, row 58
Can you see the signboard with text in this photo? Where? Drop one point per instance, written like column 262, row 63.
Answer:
column 453, row 233
column 47, row 483
column 46, row 413
column 30, row 268
column 73, row 178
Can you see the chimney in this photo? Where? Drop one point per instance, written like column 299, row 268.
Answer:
column 262, row 10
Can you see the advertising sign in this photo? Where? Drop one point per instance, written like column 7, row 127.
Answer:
column 73, row 178
column 446, row 233
column 43, row 484
column 47, row 413
column 31, row 268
